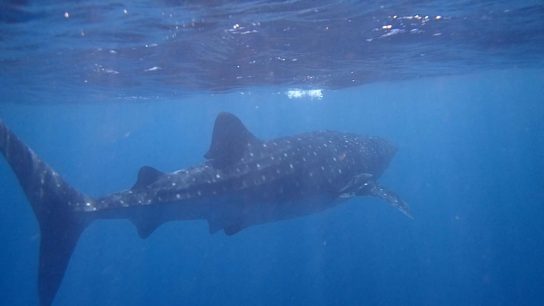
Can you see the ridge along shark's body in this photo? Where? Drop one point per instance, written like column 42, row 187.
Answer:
column 245, row 181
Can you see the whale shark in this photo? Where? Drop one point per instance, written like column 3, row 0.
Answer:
column 243, row 181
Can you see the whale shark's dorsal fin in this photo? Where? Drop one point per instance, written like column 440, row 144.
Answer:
column 229, row 141
column 146, row 176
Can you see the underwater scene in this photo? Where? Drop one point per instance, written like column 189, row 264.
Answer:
column 271, row 152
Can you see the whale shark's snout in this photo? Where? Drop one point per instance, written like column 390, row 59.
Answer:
column 378, row 152
column 387, row 150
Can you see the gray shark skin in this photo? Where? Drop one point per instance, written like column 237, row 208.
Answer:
column 244, row 181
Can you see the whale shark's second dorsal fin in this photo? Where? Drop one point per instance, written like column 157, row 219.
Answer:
column 147, row 175
column 229, row 141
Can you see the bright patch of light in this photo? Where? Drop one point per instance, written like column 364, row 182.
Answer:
column 154, row 68
column 302, row 93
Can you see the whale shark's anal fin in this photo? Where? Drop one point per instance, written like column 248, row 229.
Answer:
column 53, row 202
column 233, row 229
column 145, row 226
column 229, row 228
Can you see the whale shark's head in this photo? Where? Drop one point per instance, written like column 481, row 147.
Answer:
column 376, row 153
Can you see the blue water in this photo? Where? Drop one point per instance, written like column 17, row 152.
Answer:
column 468, row 124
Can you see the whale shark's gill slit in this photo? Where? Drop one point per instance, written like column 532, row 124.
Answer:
column 57, row 206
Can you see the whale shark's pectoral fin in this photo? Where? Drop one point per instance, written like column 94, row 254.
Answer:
column 146, row 176
column 388, row 196
column 230, row 140
column 364, row 184
column 355, row 186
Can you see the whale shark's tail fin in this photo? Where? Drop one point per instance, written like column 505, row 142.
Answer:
column 53, row 202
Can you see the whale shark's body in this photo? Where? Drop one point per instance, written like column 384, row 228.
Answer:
column 245, row 181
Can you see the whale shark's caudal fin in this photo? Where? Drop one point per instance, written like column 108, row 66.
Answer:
column 52, row 200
